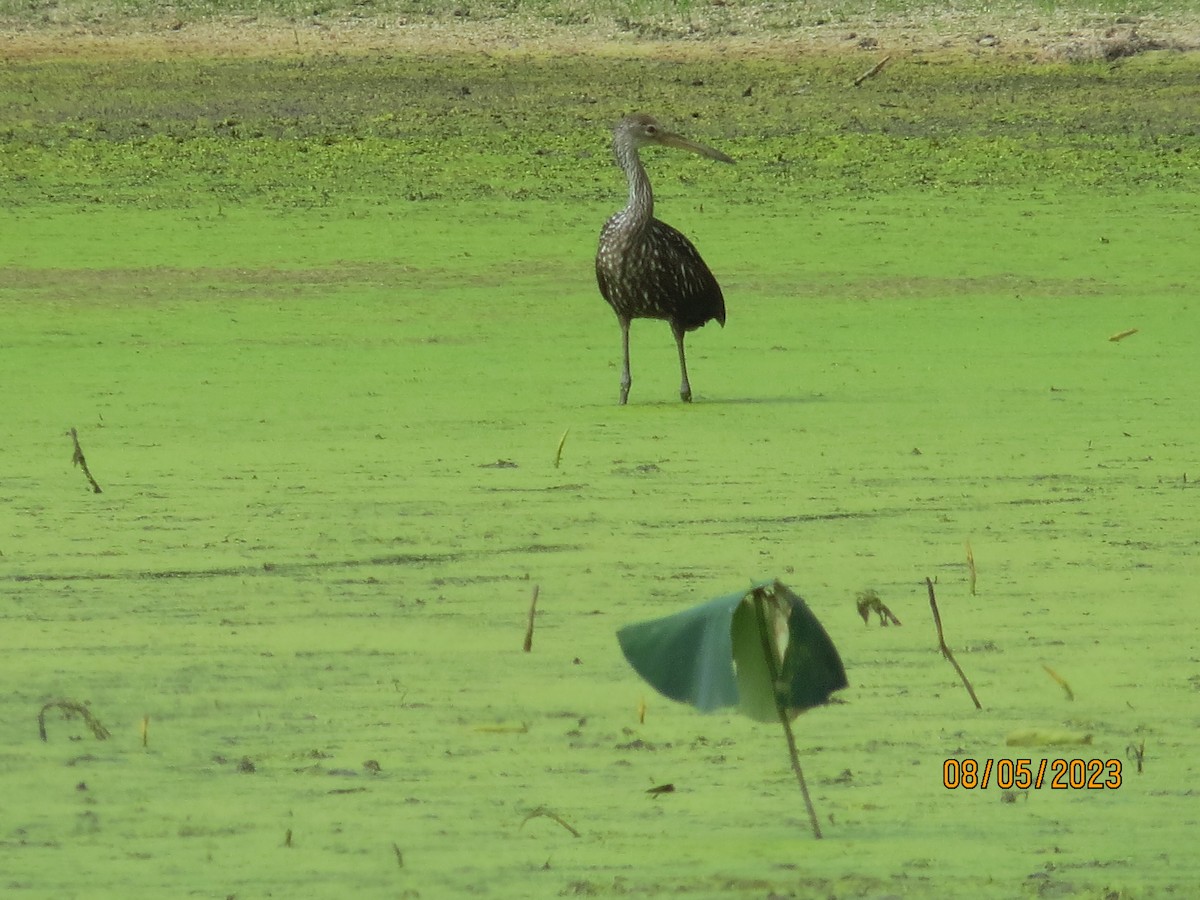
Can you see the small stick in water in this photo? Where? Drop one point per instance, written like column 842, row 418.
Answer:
column 549, row 814
column 1062, row 682
column 869, row 602
column 72, row 708
column 558, row 453
column 78, row 460
column 1137, row 752
column 532, row 616
column 971, row 568
column 937, row 620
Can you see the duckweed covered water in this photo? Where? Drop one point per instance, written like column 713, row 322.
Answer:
column 321, row 324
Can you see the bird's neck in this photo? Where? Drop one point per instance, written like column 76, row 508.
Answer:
column 640, row 209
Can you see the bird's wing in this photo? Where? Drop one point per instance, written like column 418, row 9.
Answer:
column 677, row 271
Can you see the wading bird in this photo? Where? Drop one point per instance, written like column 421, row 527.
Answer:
column 646, row 269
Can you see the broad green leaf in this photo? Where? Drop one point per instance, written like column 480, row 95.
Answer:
column 712, row 655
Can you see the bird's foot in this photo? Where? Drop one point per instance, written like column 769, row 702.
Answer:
column 685, row 394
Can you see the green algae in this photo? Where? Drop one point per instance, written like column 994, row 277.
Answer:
column 321, row 363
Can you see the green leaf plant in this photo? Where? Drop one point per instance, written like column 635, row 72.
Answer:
column 761, row 650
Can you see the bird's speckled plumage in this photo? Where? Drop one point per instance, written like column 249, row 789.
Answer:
column 645, row 268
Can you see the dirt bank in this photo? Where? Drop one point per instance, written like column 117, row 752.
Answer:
column 1040, row 36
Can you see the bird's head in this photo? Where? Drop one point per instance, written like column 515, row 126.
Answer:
column 640, row 130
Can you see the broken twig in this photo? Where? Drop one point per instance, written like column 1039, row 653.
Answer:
column 558, row 453
column 873, row 71
column 532, row 616
column 549, row 814
column 78, row 460
column 869, row 602
column 1137, row 753
column 1062, row 682
column 937, row 620
column 971, row 568
column 72, row 708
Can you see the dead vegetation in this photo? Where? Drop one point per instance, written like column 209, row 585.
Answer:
column 753, row 30
column 1115, row 43
column 70, row 709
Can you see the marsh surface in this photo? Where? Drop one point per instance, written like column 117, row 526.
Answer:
column 321, row 321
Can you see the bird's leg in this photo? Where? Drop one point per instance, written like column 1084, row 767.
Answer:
column 685, row 389
column 626, row 377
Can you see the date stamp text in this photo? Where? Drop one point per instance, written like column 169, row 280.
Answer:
column 1026, row 774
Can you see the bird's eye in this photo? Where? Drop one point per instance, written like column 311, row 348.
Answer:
column 651, row 129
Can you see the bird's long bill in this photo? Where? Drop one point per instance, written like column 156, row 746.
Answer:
column 670, row 139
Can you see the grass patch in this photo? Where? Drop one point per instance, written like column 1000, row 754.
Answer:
column 374, row 131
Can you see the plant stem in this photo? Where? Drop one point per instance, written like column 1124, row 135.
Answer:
column 937, row 621
column 761, row 598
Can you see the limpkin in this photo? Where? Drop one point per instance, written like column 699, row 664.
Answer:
column 646, row 269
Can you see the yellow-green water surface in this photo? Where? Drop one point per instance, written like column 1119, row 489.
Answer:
column 321, row 322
